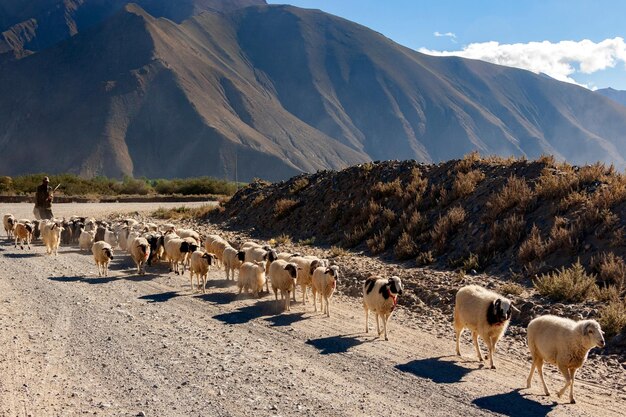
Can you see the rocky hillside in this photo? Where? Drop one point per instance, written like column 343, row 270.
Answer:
column 269, row 91
column 615, row 95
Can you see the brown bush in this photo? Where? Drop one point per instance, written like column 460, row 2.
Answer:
column 533, row 248
column 515, row 193
column 424, row 258
column 612, row 318
column 555, row 184
column 573, row 199
column 611, row 270
column 511, row 288
column 572, row 284
column 298, row 185
column 413, row 223
column 468, row 161
column 465, row 183
column 507, row 232
column 283, row 207
column 405, row 247
column 446, row 225
column 387, row 189
column 378, row 243
column 560, row 236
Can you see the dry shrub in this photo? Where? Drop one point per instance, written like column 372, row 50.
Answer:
column 574, row 199
column 511, row 288
column 507, row 232
column 547, row 160
column 283, row 239
column 465, row 183
column 613, row 318
column 560, row 236
column 284, row 206
column 413, row 223
column 298, row 185
column 572, row 284
column 608, row 294
column 500, row 160
column 357, row 234
column 617, row 237
column 446, row 225
column 258, row 200
column 417, row 184
column 388, row 215
column 337, row 252
column 471, row 262
column 186, row 213
column 589, row 174
column 405, row 247
column 468, row 161
column 610, row 194
column 378, row 243
column 611, row 270
column 387, row 189
column 533, row 248
column 424, row 258
column 555, row 184
column 515, row 193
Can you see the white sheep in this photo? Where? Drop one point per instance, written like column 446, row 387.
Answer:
column 102, row 255
column 307, row 264
column 176, row 251
column 324, row 281
column 252, row 277
column 86, row 238
column 562, row 342
column 257, row 254
column 110, row 237
column 9, row 225
column 52, row 237
column 231, row 262
column 23, row 233
column 485, row 313
column 183, row 233
column 122, row 237
column 283, row 275
column 285, row 256
column 200, row 263
column 381, row 296
column 139, row 250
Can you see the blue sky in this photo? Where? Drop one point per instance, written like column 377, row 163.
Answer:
column 542, row 36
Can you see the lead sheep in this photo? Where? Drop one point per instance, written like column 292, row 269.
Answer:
column 381, row 296
column 140, row 252
column 23, row 232
column 564, row 343
column 324, row 282
column 85, row 240
column 9, row 225
column 252, row 277
column 283, row 275
column 485, row 313
column 258, row 254
column 102, row 255
column 176, row 251
column 199, row 264
column 308, row 265
column 52, row 238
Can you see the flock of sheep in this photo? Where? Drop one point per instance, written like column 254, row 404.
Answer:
column 551, row 339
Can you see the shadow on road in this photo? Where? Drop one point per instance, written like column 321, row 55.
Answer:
column 335, row 344
column 247, row 313
column 514, row 404
column 218, row 297
column 160, row 297
column 435, row 369
column 22, row 255
column 285, row 319
column 219, row 283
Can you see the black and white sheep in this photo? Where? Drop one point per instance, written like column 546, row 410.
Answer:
column 562, row 342
column 102, row 255
column 176, row 251
column 199, row 264
column 9, row 224
column 485, row 313
column 324, row 281
column 283, row 275
column 139, row 249
column 380, row 295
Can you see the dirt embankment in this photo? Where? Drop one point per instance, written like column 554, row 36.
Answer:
column 73, row 343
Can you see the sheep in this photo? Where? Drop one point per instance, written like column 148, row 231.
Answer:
column 155, row 241
column 23, row 232
column 132, row 235
column 283, row 275
column 285, row 256
column 562, row 342
column 255, row 253
column 102, row 255
column 139, row 249
column 167, row 227
column 215, row 244
column 381, row 296
column 176, row 250
column 100, row 232
column 200, row 263
column 9, row 225
column 485, row 313
column 231, row 262
column 324, row 280
column 85, row 241
column 122, row 236
column 66, row 235
column 188, row 233
column 131, row 223
column 308, row 265
column 111, row 238
column 52, row 238
column 252, row 277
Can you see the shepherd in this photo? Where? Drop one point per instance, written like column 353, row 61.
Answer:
column 43, row 200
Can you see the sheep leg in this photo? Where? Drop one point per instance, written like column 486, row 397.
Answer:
column 377, row 325
column 385, row 320
column 492, row 351
column 572, row 373
column 287, row 299
column 458, row 332
column 303, row 287
column 327, row 308
column 367, row 324
column 191, row 282
column 314, row 299
column 565, row 371
column 204, row 278
column 540, row 372
column 475, row 340
column 529, row 380
column 276, row 294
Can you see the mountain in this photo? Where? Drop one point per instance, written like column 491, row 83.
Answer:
column 33, row 25
column 272, row 91
column 615, row 95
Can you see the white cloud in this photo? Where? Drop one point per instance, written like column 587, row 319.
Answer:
column 559, row 60
column 450, row 35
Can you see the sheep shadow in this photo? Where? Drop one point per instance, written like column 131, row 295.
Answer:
column 334, row 344
column 160, row 297
column 514, row 404
column 245, row 314
column 21, row 255
column 67, row 279
column 220, row 298
column 285, row 319
column 435, row 369
column 220, row 283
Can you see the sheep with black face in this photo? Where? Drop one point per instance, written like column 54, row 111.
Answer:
column 283, row 275
column 485, row 313
column 380, row 295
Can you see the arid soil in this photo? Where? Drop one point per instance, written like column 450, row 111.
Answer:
column 72, row 343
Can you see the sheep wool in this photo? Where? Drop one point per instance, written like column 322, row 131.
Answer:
column 324, row 282
column 252, row 277
column 283, row 275
column 102, row 255
column 380, row 295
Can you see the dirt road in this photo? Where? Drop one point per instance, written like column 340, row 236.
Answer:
column 73, row 344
